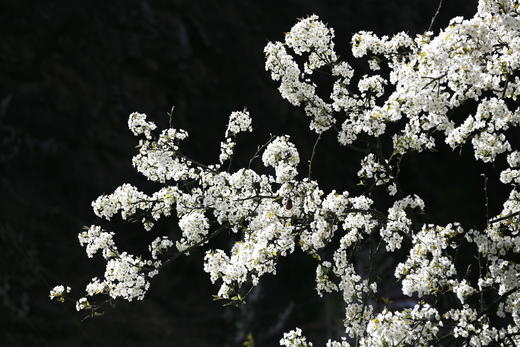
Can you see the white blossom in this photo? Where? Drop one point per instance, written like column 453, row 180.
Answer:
column 58, row 292
column 138, row 125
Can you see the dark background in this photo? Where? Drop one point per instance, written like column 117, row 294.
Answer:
column 70, row 74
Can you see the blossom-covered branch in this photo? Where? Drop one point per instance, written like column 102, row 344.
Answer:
column 272, row 214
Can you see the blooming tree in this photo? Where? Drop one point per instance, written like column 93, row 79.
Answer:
column 414, row 84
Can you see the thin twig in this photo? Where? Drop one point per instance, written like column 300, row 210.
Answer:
column 170, row 116
column 433, row 80
column 505, row 87
column 481, row 296
column 435, row 15
column 313, row 154
column 486, row 199
column 258, row 150
column 257, row 197
column 505, row 217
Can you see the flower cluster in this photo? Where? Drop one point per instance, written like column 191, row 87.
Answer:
column 58, row 292
column 239, row 121
column 314, row 38
column 138, row 125
column 94, row 240
column 294, row 338
column 283, row 156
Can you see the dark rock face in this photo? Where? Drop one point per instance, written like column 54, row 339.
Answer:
column 70, row 73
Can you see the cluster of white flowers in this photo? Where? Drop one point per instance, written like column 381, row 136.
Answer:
column 371, row 85
column 125, row 199
column 342, row 343
column 83, row 304
column 311, row 36
column 364, row 42
column 157, row 160
column 463, row 290
column 398, row 223
column 470, row 326
column 94, row 240
column 409, row 327
column 58, row 292
column 270, row 215
column 239, row 121
column 159, row 246
column 511, row 175
column 294, row 338
column 487, row 127
column 323, row 282
column 308, row 36
column 138, row 125
column 194, row 227
column 428, row 268
column 372, row 169
column 283, row 156
column 96, row 287
column 265, row 239
column 125, row 278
